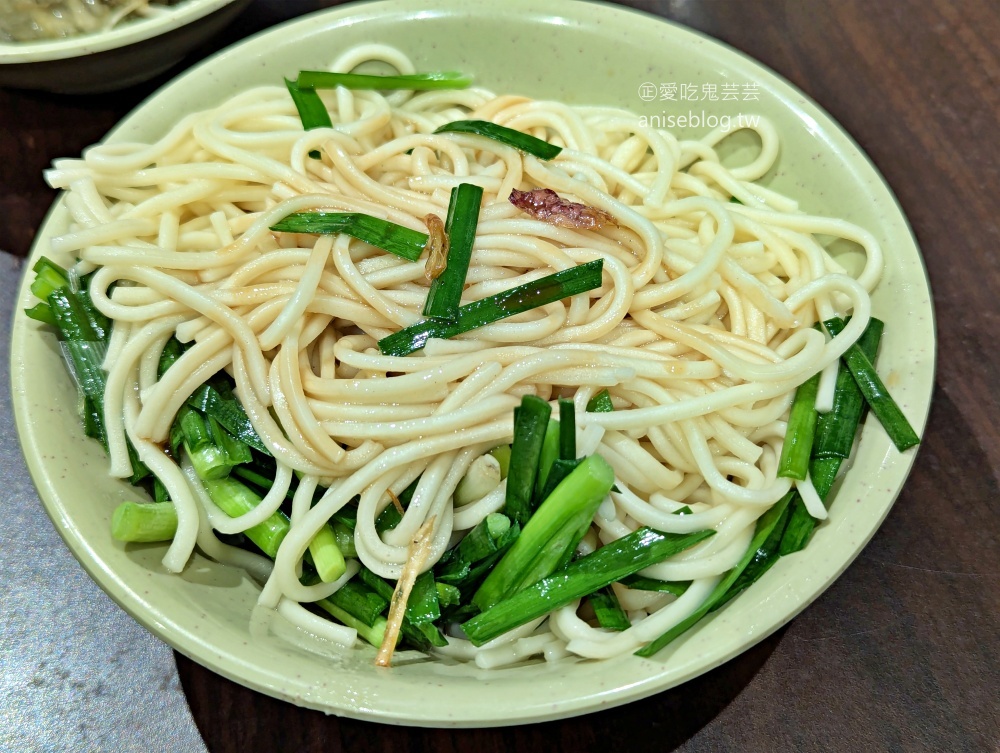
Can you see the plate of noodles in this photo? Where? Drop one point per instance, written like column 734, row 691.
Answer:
column 719, row 213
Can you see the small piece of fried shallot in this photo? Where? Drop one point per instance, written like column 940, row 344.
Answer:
column 546, row 205
column 436, row 248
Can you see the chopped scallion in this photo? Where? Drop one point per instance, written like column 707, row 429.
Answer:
column 312, row 111
column 796, row 448
column 413, row 81
column 549, row 289
column 445, row 294
column 765, row 525
column 886, row 409
column 613, row 561
column 601, row 403
column 517, row 139
column 396, row 239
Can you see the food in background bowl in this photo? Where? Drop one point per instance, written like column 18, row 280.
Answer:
column 29, row 20
column 38, row 50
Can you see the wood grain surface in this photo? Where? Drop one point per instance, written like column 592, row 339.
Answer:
column 902, row 653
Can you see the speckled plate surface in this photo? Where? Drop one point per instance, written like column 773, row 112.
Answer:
column 580, row 53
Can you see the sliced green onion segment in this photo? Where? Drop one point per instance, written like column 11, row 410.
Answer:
column 445, row 295
column 836, row 430
column 312, row 111
column 796, row 448
column 517, row 139
column 549, row 289
column 601, row 403
column 886, row 409
column 396, row 239
column 414, row 81
column 766, row 524
column 613, row 561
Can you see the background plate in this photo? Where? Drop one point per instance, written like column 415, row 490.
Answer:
column 579, row 53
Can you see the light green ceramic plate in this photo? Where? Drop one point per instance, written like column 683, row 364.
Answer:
column 576, row 52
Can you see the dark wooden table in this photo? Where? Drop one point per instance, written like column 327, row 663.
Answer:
column 903, row 652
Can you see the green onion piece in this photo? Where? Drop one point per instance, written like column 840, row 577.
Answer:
column 215, row 399
column 549, row 455
column 796, row 448
column 147, row 522
column 413, row 81
column 448, row 595
column 254, row 477
column 641, row 583
column 345, row 539
column 467, row 565
column 798, row 529
column 373, row 634
column 389, row 517
column 92, row 421
column 420, row 636
column 41, row 312
column 554, row 287
column 396, row 239
column 212, row 450
column 423, row 608
column 478, row 543
column 559, row 470
column 445, row 294
column 49, row 277
column 531, row 420
column 86, row 351
column 608, row 610
column 173, row 349
column 517, row 139
column 551, row 533
column 567, row 430
column 822, row 473
column 879, row 400
column 836, row 430
column 98, row 321
column 236, row 451
column 765, row 525
column 359, row 600
column 235, row 499
column 485, row 539
column 160, row 493
column 312, row 111
column 763, row 559
column 600, row 403
column 193, row 429
column 326, row 555
column 622, row 557
column 71, row 317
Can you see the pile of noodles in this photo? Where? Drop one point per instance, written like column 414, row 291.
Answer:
column 701, row 331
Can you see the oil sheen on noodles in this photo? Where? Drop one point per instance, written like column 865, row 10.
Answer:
column 701, row 331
